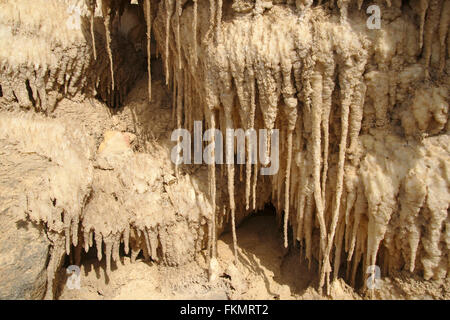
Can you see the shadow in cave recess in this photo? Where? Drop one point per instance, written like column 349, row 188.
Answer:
column 262, row 253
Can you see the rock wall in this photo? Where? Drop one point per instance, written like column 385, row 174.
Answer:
column 63, row 190
column 362, row 114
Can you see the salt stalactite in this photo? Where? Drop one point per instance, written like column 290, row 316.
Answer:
column 351, row 184
column 346, row 85
column 194, row 28
column 294, row 179
column 108, row 254
column 356, row 116
column 254, row 185
column 86, row 240
column 287, row 186
column 444, row 25
column 411, row 202
column 301, row 193
column 279, row 178
column 435, row 212
column 308, row 227
column 290, row 110
column 126, row 239
column 91, row 238
column 423, row 5
column 300, row 158
column 107, row 13
column 186, row 94
column 359, row 209
column 352, row 181
column 212, row 181
column 74, row 229
column 178, row 12
column 212, row 16
column 154, row 244
column 219, row 19
column 358, row 255
column 250, row 144
column 178, row 78
column 98, row 243
column 250, row 106
column 328, row 87
column 92, row 5
column 379, row 210
column 432, row 23
column 338, row 243
column 148, row 246
column 343, row 6
column 248, row 172
column 227, row 100
column 148, row 19
column 174, row 95
column 266, row 84
column 250, row 81
column 67, row 232
column 316, row 118
column 169, row 10
column 135, row 247
column 238, row 62
column 308, row 185
column 116, row 247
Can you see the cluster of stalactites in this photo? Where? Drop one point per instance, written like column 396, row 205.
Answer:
column 251, row 78
column 256, row 80
column 109, row 9
column 434, row 16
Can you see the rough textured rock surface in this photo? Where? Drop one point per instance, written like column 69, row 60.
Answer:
column 364, row 167
column 45, row 180
column 49, row 59
column 24, row 252
column 82, row 182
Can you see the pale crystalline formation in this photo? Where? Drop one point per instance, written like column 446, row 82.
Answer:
column 100, row 199
column 135, row 202
column 326, row 83
column 362, row 113
column 43, row 60
column 51, row 199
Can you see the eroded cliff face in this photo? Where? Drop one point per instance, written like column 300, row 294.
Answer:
column 362, row 113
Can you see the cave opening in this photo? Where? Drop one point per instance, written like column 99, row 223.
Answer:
column 261, row 250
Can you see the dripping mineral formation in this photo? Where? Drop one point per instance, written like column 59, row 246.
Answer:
column 362, row 116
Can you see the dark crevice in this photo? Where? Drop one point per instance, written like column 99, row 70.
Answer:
column 30, row 92
column 15, row 97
